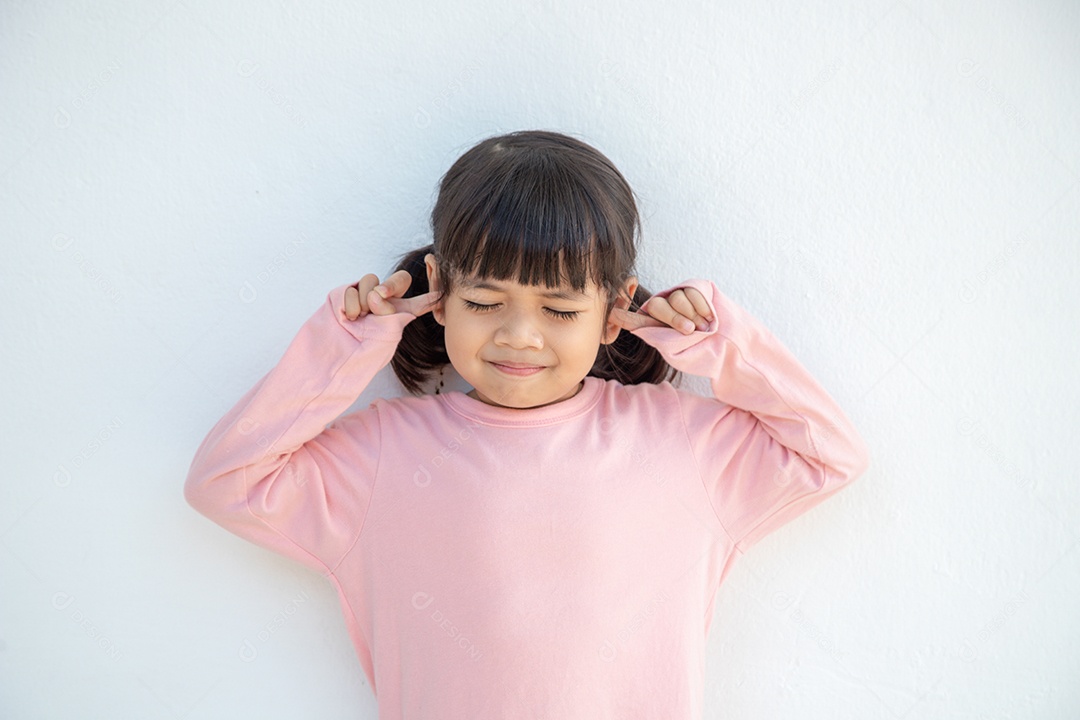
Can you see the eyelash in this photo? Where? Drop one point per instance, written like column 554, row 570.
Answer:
column 554, row 313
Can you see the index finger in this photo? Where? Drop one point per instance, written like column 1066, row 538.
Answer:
column 422, row 303
column 634, row 320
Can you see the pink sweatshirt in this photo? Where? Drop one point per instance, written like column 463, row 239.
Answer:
column 552, row 562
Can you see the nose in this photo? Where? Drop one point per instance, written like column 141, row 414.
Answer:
column 519, row 331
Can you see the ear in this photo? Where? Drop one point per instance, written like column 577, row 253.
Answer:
column 433, row 285
column 611, row 329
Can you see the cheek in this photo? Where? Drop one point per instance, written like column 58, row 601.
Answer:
column 461, row 331
column 580, row 343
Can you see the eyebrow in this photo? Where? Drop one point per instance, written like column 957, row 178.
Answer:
column 558, row 294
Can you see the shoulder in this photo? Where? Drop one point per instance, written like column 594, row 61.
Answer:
column 647, row 402
column 644, row 394
column 660, row 402
column 409, row 406
column 383, row 412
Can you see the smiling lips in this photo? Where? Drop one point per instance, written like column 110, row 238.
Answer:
column 517, row 368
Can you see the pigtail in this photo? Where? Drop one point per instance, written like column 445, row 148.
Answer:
column 422, row 348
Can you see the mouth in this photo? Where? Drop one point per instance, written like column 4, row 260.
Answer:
column 517, row 369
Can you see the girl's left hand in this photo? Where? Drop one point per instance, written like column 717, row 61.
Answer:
column 684, row 309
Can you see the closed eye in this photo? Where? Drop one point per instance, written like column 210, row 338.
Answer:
column 562, row 315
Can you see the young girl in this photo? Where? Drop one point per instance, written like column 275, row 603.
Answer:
column 549, row 544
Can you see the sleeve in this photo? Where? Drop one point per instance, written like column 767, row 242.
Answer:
column 772, row 443
column 272, row 471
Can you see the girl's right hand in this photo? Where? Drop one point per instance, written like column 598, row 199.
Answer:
column 369, row 295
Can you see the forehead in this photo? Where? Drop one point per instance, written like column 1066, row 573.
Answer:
column 563, row 292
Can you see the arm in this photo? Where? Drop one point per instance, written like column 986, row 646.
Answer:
column 271, row 471
column 772, row 443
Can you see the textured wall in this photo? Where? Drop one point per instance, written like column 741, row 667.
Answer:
column 894, row 188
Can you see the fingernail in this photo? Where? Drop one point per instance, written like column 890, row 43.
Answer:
column 687, row 325
column 381, row 291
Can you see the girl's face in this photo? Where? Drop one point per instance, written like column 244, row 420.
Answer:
column 493, row 324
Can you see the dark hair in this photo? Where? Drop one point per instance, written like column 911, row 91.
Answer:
column 538, row 207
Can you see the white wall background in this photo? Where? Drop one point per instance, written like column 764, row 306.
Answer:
column 893, row 187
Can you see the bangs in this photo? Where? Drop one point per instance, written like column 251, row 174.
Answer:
column 538, row 223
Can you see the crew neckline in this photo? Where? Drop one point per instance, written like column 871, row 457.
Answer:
column 481, row 411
